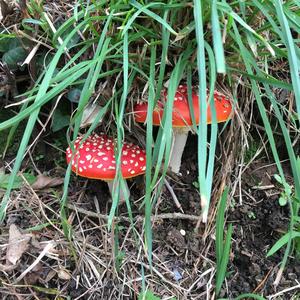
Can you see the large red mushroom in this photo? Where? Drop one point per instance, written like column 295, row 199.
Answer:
column 182, row 118
column 95, row 159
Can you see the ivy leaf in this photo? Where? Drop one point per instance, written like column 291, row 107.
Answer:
column 4, row 178
column 14, row 57
column 59, row 120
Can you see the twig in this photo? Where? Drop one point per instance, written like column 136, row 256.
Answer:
column 178, row 216
column 175, row 199
column 48, row 247
column 284, row 291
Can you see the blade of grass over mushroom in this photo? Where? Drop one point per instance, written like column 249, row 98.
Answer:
column 120, row 134
column 214, row 125
column 91, row 80
column 202, row 128
column 149, row 142
column 217, row 38
column 189, row 92
column 31, row 122
column 163, row 143
column 88, row 89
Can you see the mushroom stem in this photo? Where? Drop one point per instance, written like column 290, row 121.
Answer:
column 110, row 184
column 180, row 137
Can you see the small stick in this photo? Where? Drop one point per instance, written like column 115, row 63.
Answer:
column 178, row 216
column 175, row 199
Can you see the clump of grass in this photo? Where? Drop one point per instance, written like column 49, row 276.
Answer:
column 128, row 50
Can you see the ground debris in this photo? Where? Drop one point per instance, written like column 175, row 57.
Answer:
column 17, row 244
column 44, row 182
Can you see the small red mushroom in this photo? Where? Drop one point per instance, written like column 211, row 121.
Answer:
column 95, row 159
column 182, row 119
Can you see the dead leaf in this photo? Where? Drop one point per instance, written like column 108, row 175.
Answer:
column 17, row 244
column 44, row 182
column 89, row 114
column 63, row 274
column 6, row 268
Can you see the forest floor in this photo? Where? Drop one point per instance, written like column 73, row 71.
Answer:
column 45, row 265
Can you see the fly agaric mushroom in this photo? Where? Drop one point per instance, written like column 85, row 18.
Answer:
column 182, row 119
column 95, row 159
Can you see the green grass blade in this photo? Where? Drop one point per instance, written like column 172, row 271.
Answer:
column 217, row 38
column 202, row 128
column 292, row 56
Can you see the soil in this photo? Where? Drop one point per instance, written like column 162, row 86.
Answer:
column 185, row 256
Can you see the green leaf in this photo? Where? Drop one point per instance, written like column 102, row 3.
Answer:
column 74, row 95
column 148, row 295
column 59, row 120
column 282, row 201
column 4, row 178
column 278, row 178
column 282, row 241
column 14, row 57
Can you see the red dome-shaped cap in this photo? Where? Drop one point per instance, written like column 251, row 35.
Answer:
column 95, row 158
column 181, row 116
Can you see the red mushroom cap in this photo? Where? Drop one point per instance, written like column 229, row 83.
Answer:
column 181, row 112
column 95, row 158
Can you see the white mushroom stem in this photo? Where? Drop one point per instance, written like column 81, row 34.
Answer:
column 179, row 141
column 122, row 192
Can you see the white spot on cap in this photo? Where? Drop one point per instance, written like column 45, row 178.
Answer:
column 105, row 158
column 96, row 160
column 143, row 168
column 80, row 169
column 124, row 152
column 132, row 172
column 88, row 157
column 141, row 159
column 100, row 166
column 133, row 155
column 90, row 166
column 82, row 161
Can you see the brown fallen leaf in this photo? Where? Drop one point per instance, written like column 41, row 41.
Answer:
column 89, row 114
column 44, row 182
column 17, row 244
column 63, row 274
